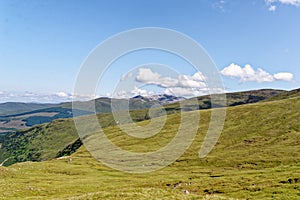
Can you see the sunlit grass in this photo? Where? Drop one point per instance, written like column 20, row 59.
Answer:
column 257, row 157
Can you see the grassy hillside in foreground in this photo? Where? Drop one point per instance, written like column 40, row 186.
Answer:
column 257, row 157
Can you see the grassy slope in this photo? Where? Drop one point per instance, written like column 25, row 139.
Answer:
column 233, row 99
column 253, row 96
column 257, row 157
column 285, row 95
column 37, row 143
column 45, row 141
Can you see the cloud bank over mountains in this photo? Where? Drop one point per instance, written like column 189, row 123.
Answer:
column 35, row 97
column 182, row 85
column 12, row 96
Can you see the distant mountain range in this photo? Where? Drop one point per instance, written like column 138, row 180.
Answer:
column 161, row 98
column 59, row 137
column 102, row 104
column 16, row 116
column 11, row 108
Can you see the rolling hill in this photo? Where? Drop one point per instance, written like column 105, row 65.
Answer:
column 12, row 123
column 285, row 95
column 11, row 108
column 17, row 119
column 256, row 157
column 49, row 112
column 232, row 99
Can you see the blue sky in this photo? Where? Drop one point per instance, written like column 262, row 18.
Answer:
column 254, row 43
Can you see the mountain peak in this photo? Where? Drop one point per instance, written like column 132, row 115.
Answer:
column 161, row 98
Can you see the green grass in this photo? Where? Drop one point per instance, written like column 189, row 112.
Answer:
column 257, row 157
column 286, row 95
column 37, row 143
column 44, row 142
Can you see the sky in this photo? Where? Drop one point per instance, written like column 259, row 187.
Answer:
column 254, row 44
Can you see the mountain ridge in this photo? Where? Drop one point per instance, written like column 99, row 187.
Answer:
column 105, row 119
column 10, row 123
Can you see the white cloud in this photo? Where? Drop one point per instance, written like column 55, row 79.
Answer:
column 178, row 91
column 182, row 85
column 233, row 71
column 290, row 2
column 284, row 76
column 125, row 76
column 137, row 91
column 183, row 91
column 134, row 92
column 146, row 75
column 198, row 76
column 120, row 94
column 247, row 73
column 26, row 96
column 63, row 95
column 191, row 92
column 273, row 7
column 189, row 81
column 261, row 76
column 220, row 5
column 14, row 96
